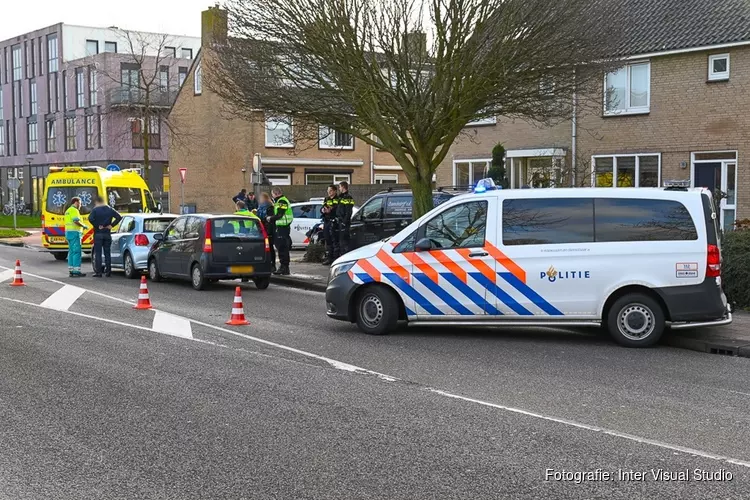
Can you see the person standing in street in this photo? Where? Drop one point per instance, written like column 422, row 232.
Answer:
column 73, row 228
column 283, row 219
column 330, row 233
column 103, row 218
column 265, row 210
column 344, row 217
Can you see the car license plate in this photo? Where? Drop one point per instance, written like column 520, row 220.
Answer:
column 241, row 269
column 57, row 239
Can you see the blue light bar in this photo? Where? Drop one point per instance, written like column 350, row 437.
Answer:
column 485, row 185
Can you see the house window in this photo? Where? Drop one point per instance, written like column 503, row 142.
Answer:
column 279, row 179
column 718, row 67
column 1, row 104
column 92, row 47
column 2, row 139
column 50, row 136
column 466, row 173
column 93, row 87
column 182, row 75
column 70, row 134
column 110, row 47
column 198, row 79
column 642, row 170
column 17, row 66
column 164, row 78
column 187, row 53
column 30, row 61
column 32, row 137
column 80, row 89
column 170, row 52
column 279, row 133
column 491, row 120
column 386, row 178
column 326, row 179
column 53, row 101
column 90, row 131
column 100, row 127
column 33, row 103
column 154, row 133
column 628, row 90
column 52, row 54
column 64, row 91
column 333, row 139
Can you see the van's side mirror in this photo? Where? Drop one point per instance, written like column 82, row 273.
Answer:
column 158, row 236
column 423, row 245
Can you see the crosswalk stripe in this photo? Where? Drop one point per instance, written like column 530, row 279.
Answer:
column 63, row 298
column 6, row 275
column 172, row 325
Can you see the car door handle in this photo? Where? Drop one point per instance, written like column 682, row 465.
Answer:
column 478, row 254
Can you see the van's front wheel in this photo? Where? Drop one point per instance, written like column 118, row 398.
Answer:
column 636, row 320
column 377, row 310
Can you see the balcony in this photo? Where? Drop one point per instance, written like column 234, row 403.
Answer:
column 138, row 98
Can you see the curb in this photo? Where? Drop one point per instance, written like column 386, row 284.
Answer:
column 303, row 284
column 724, row 347
column 11, row 243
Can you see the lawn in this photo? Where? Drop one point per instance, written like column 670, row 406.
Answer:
column 12, row 233
column 29, row 221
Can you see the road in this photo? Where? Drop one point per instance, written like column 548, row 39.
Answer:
column 101, row 401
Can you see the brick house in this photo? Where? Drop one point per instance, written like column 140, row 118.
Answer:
column 218, row 149
column 679, row 109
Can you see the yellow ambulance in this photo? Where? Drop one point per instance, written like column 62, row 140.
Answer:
column 124, row 190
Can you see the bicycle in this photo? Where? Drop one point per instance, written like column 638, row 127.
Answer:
column 21, row 209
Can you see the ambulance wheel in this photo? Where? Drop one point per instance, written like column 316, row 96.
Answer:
column 60, row 255
column 153, row 270
column 636, row 320
column 376, row 310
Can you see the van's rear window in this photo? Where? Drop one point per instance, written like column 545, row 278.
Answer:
column 58, row 199
column 239, row 227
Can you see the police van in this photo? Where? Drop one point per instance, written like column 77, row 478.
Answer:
column 634, row 261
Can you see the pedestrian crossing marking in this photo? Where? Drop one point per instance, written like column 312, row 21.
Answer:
column 63, row 298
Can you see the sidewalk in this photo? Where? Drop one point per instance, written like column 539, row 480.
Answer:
column 34, row 238
column 305, row 275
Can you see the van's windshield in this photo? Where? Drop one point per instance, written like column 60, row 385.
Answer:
column 58, row 199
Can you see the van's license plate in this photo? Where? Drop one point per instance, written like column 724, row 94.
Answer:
column 241, row 269
column 57, row 239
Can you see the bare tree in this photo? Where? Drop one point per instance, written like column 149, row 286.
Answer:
column 408, row 75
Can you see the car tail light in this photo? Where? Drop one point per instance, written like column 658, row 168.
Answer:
column 265, row 237
column 141, row 240
column 207, row 245
column 713, row 268
column 42, row 221
column 268, row 246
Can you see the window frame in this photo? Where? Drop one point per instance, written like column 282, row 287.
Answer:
column 89, row 131
column 198, row 79
column 93, row 86
column 384, row 177
column 326, row 133
column 188, row 51
column 33, row 98
column 96, row 46
column 80, row 89
column 422, row 231
column 471, row 161
column 53, row 53
column 335, row 179
column 277, row 121
column 71, row 140
column 50, row 138
column 628, row 110
column 614, row 157
column 273, row 175
column 110, row 45
column 16, row 57
column 32, row 138
column 720, row 76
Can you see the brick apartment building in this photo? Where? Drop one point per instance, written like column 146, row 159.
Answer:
column 220, row 149
column 65, row 100
column 679, row 109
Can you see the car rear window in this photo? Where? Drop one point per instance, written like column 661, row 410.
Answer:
column 156, row 225
column 235, row 228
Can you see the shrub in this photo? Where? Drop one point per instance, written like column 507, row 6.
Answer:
column 736, row 267
column 315, row 252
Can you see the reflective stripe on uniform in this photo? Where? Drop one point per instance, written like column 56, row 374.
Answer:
column 286, row 219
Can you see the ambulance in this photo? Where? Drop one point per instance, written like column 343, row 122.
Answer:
column 125, row 191
column 632, row 261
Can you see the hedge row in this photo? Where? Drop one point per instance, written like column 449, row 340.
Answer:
column 736, row 267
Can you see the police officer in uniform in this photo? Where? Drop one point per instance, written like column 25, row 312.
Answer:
column 330, row 230
column 344, row 217
column 283, row 219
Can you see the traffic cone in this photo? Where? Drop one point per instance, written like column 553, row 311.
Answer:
column 238, row 311
column 144, row 302
column 17, row 278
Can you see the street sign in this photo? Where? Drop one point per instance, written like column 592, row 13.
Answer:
column 113, row 168
column 257, row 163
column 183, row 173
column 14, row 183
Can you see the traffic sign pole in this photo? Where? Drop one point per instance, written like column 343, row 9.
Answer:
column 183, row 174
column 14, row 184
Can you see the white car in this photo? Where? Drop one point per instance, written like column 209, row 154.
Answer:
column 305, row 216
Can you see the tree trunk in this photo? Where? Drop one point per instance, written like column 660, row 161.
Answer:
column 421, row 188
column 146, row 144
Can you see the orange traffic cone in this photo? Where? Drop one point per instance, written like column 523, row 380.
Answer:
column 17, row 278
column 238, row 311
column 144, row 302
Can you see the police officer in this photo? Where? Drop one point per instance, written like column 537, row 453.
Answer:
column 330, row 230
column 283, row 219
column 344, row 216
column 73, row 228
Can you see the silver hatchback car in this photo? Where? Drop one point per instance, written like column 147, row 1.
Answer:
column 133, row 240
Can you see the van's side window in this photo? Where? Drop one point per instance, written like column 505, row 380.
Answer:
column 461, row 226
column 372, row 210
column 618, row 219
column 125, row 200
column 548, row 221
column 407, row 245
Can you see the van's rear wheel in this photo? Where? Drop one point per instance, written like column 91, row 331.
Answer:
column 377, row 310
column 60, row 255
column 636, row 320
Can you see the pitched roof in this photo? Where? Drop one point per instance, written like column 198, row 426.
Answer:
column 665, row 25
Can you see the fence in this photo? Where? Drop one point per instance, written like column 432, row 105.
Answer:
column 360, row 192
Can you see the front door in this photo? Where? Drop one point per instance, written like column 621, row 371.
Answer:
column 120, row 238
column 720, row 177
column 167, row 251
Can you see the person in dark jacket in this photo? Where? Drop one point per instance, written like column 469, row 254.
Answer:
column 265, row 210
column 241, row 196
column 103, row 218
column 330, row 231
column 251, row 203
column 344, row 217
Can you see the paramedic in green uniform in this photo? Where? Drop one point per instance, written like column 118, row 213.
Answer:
column 73, row 233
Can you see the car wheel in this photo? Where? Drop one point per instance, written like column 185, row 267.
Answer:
column 60, row 255
column 262, row 283
column 636, row 320
column 153, row 270
column 197, row 278
column 377, row 311
column 129, row 267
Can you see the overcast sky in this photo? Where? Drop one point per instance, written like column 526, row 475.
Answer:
column 176, row 17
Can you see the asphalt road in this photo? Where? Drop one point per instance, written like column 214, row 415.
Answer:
column 100, row 401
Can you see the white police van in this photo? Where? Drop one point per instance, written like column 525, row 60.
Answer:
column 633, row 260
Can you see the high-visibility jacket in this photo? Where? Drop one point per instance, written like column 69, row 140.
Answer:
column 283, row 210
column 72, row 215
column 244, row 213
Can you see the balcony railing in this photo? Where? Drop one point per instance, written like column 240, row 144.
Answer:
column 130, row 97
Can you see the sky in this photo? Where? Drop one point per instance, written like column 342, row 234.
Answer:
column 175, row 17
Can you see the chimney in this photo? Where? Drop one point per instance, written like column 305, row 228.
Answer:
column 213, row 26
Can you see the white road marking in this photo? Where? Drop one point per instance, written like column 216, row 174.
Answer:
column 356, row 369
column 63, row 298
column 172, row 325
column 6, row 275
